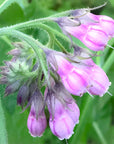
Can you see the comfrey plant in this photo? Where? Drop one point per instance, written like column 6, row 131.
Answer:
column 45, row 78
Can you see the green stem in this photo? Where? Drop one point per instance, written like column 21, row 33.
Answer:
column 54, row 76
column 6, row 4
column 59, row 34
column 31, row 23
column 35, row 23
column 61, row 46
column 3, row 132
column 99, row 133
column 50, row 30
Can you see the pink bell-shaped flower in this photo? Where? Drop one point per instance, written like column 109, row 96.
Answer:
column 74, row 79
column 35, row 125
column 64, row 112
column 93, row 30
column 99, row 82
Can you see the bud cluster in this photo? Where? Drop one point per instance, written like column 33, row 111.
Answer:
column 68, row 74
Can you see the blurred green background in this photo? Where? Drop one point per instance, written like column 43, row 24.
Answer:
column 97, row 114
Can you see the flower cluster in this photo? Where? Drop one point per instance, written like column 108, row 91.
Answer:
column 68, row 74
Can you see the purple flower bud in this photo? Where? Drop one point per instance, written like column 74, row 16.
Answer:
column 3, row 80
column 12, row 88
column 36, row 126
column 93, row 36
column 22, row 95
column 14, row 52
column 105, row 22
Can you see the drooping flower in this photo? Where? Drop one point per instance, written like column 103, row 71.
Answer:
column 35, row 125
column 94, row 31
column 98, row 80
column 64, row 112
column 74, row 79
column 36, row 120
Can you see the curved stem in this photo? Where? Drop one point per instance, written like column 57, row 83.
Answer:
column 50, row 30
column 31, row 23
column 34, row 23
column 61, row 46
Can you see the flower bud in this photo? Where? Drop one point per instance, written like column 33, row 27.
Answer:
column 3, row 80
column 22, row 95
column 14, row 52
column 36, row 126
column 12, row 88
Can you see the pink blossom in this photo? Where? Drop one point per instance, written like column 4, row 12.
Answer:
column 35, row 125
column 99, row 82
column 74, row 79
column 64, row 119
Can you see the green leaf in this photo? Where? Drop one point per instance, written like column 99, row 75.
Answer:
column 12, row 15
